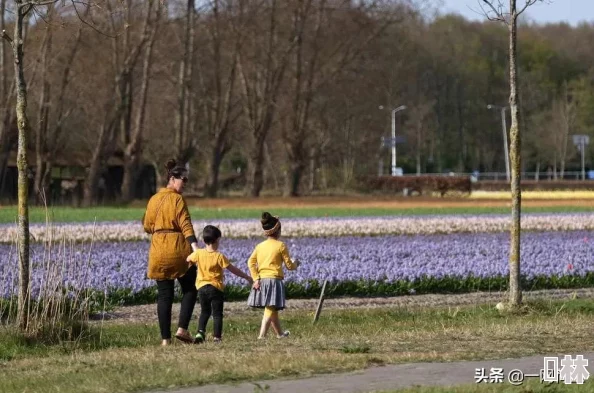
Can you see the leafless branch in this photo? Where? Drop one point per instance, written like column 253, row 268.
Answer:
column 498, row 13
column 82, row 19
column 528, row 4
column 36, row 3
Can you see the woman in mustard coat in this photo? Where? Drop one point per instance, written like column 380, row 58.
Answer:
column 168, row 220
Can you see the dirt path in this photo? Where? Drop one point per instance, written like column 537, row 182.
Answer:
column 388, row 377
column 147, row 313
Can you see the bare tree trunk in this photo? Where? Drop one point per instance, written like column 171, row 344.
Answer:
column 23, row 180
column 219, row 111
column 44, row 104
column 5, row 145
column 106, row 143
column 255, row 173
column 53, row 141
column 260, row 90
column 133, row 150
column 185, row 80
column 419, row 147
column 312, row 169
column 515, row 290
column 101, row 152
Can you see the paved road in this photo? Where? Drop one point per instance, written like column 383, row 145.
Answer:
column 387, row 377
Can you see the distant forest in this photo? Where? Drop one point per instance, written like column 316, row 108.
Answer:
column 257, row 94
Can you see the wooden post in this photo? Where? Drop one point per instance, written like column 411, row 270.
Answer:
column 320, row 302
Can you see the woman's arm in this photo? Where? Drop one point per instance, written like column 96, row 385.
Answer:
column 148, row 227
column 185, row 223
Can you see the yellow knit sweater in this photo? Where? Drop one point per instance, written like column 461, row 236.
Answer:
column 267, row 260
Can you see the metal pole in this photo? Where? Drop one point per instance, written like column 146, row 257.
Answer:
column 583, row 143
column 400, row 108
column 505, row 146
column 394, row 142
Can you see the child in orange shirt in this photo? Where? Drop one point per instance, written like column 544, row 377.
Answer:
column 266, row 268
column 209, row 282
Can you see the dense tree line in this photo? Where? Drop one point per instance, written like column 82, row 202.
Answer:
column 287, row 92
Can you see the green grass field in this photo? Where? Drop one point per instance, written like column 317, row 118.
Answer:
column 68, row 214
column 127, row 357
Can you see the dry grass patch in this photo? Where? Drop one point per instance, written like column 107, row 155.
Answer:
column 128, row 358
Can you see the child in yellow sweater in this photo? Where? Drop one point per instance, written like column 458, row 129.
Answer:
column 266, row 268
column 209, row 282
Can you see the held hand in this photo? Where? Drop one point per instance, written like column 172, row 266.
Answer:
column 250, row 280
column 297, row 263
column 256, row 285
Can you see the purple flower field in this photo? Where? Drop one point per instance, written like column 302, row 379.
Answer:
column 116, row 266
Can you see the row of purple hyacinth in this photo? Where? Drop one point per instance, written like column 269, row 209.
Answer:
column 111, row 266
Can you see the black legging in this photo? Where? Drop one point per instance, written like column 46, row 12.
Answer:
column 165, row 301
column 211, row 303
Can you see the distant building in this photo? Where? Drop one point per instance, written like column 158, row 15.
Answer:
column 68, row 176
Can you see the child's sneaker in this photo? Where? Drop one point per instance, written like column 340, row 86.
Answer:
column 217, row 340
column 285, row 334
column 200, row 337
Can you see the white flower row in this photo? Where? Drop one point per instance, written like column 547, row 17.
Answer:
column 318, row 227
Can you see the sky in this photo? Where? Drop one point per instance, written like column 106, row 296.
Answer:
column 571, row 11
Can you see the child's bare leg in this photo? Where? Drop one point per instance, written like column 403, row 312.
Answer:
column 266, row 320
column 275, row 323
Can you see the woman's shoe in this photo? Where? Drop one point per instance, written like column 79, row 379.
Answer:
column 184, row 337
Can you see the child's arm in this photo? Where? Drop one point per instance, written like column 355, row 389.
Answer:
column 239, row 273
column 289, row 263
column 253, row 266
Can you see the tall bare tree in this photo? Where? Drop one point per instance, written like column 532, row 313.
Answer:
column 125, row 55
column 6, row 95
column 184, row 120
column 496, row 10
column 22, row 9
column 133, row 148
column 330, row 37
column 217, row 106
column 49, row 135
column 261, row 73
column 565, row 113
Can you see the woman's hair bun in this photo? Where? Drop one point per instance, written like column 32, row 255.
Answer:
column 170, row 165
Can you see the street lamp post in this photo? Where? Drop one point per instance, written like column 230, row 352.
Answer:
column 504, row 130
column 393, row 142
column 580, row 141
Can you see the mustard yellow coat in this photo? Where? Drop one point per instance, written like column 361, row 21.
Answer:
column 168, row 220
